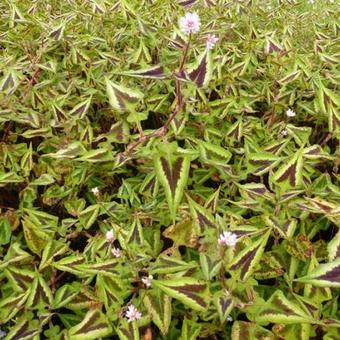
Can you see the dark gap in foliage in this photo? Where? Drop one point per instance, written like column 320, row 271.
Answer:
column 210, row 183
column 79, row 243
column 153, row 121
column 242, row 317
column 9, row 198
column 325, row 234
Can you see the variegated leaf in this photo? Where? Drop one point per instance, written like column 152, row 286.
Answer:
column 324, row 275
column 173, row 176
column 189, row 291
column 122, row 98
column 94, row 325
column 248, row 258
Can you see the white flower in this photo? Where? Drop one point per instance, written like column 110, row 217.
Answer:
column 116, row 252
column 110, row 237
column 211, row 41
column 284, row 132
column 147, row 280
column 227, row 239
column 2, row 334
column 190, row 23
column 133, row 314
column 290, row 113
column 311, row 2
column 229, row 318
column 95, row 191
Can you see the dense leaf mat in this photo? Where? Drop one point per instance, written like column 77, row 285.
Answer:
column 154, row 188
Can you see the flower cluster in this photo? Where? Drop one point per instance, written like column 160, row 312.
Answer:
column 147, row 281
column 211, row 41
column 116, row 252
column 132, row 313
column 110, row 237
column 290, row 113
column 190, row 23
column 227, row 239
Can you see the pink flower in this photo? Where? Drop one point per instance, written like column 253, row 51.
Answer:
column 227, row 239
column 147, row 280
column 132, row 313
column 290, row 113
column 110, row 237
column 190, row 23
column 211, row 41
column 116, row 252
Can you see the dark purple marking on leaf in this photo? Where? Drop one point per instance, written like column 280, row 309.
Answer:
column 314, row 151
column 279, row 303
column 80, row 110
column 335, row 120
column 224, row 303
column 123, row 97
column 240, row 232
column 333, row 275
column 323, row 207
column 203, row 221
column 155, row 72
column 172, row 174
column 245, row 261
column 186, row 3
column 150, row 186
column 13, row 303
column 135, row 237
column 40, row 293
column 22, row 280
column 273, row 47
column 190, row 290
column 21, row 331
column 274, row 148
column 244, row 331
column 74, row 263
column 311, row 308
column 88, row 326
column 27, row 335
column 56, row 34
column 259, row 190
column 198, row 74
column 289, row 174
column 109, row 266
column 9, row 83
column 261, row 162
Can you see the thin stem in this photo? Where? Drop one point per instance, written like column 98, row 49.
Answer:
column 179, row 105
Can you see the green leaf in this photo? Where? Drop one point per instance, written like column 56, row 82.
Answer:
column 289, row 175
column 122, row 98
column 324, row 275
column 247, row 259
column 89, row 216
column 153, row 72
column 173, row 176
column 168, row 264
column 279, row 309
column 94, row 326
column 80, row 110
column 190, row 330
column 224, row 305
column 36, row 238
column 5, row 231
column 159, row 306
column 40, row 293
column 201, row 73
column 189, row 291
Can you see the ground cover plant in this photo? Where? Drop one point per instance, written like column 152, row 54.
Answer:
column 169, row 169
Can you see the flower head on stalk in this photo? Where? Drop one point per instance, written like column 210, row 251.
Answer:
column 189, row 23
